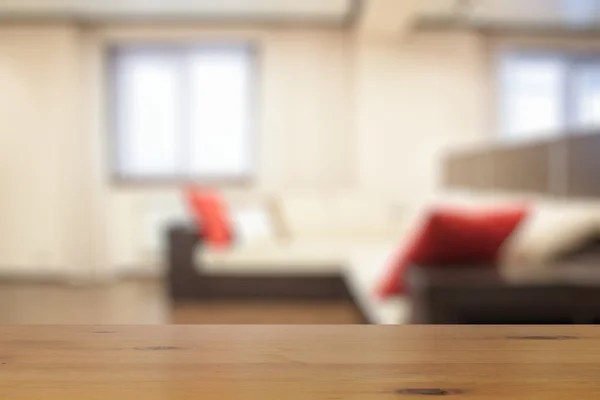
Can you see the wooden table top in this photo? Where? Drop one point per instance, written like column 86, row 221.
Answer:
column 299, row 362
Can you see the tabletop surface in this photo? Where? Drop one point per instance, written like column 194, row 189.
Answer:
column 299, row 362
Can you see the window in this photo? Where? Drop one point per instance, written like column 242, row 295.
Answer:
column 548, row 94
column 182, row 112
column 586, row 86
column 579, row 12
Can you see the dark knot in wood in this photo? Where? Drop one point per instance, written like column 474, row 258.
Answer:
column 158, row 348
column 429, row 392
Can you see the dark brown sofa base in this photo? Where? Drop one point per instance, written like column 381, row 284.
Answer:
column 482, row 296
column 471, row 295
column 262, row 287
column 186, row 281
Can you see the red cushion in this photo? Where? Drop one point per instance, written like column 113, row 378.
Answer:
column 210, row 214
column 449, row 236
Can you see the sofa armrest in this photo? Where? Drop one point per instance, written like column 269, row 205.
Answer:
column 182, row 240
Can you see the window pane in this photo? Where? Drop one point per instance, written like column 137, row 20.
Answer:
column 533, row 96
column 579, row 12
column 587, row 95
column 220, row 111
column 149, row 127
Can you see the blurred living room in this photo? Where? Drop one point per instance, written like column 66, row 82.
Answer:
column 299, row 161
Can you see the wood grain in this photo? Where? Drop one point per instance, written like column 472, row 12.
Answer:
column 300, row 362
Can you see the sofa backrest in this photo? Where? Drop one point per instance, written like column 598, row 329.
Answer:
column 337, row 213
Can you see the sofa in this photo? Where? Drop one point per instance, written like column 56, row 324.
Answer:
column 335, row 245
column 339, row 246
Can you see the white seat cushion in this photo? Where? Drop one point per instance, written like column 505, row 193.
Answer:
column 292, row 257
column 364, row 271
column 296, row 256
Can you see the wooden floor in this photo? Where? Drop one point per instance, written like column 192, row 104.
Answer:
column 301, row 312
column 145, row 302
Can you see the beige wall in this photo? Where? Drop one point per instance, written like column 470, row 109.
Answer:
column 336, row 112
column 39, row 130
column 413, row 99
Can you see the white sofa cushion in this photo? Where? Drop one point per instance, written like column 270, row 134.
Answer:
column 296, row 256
column 252, row 224
column 288, row 257
column 364, row 272
column 552, row 229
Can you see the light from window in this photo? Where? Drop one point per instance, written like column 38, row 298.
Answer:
column 587, row 94
column 182, row 112
column 580, row 12
column 547, row 95
column 532, row 98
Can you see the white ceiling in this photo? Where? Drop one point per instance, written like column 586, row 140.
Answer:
column 386, row 12
column 543, row 11
column 270, row 9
